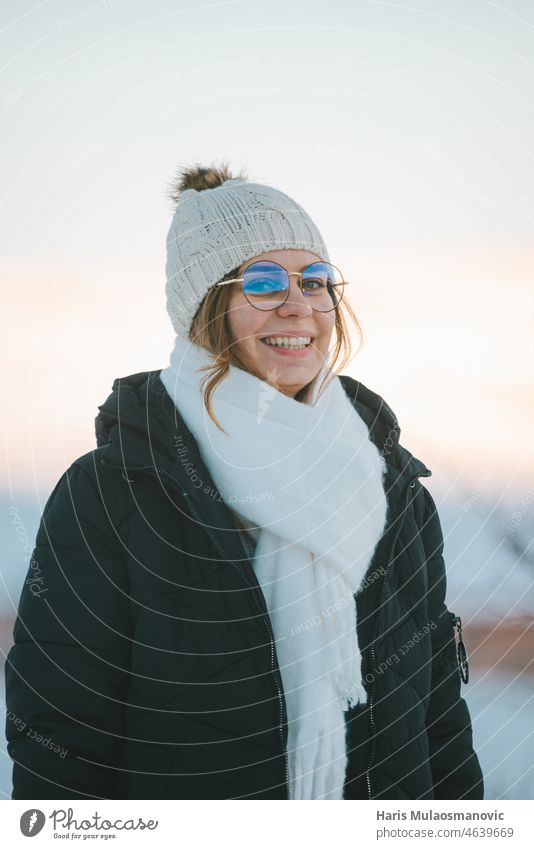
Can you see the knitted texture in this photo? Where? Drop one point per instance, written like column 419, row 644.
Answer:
column 215, row 230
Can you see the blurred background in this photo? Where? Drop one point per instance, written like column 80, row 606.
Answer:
column 407, row 134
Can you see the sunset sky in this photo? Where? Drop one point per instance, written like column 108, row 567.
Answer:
column 405, row 132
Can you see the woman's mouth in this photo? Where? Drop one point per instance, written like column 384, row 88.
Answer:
column 288, row 344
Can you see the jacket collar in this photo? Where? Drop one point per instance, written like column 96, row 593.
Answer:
column 139, row 426
column 384, row 428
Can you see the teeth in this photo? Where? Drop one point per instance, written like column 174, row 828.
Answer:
column 287, row 341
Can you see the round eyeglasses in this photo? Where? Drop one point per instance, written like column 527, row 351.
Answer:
column 265, row 285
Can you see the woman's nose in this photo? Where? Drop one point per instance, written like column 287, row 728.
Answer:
column 297, row 302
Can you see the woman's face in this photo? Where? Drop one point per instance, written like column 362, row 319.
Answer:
column 288, row 370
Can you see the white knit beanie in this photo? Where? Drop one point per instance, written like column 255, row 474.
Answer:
column 220, row 224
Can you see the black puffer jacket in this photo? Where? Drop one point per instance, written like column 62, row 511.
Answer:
column 144, row 663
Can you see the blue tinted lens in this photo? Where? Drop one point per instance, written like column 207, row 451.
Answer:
column 323, row 284
column 265, row 284
column 320, row 274
column 264, row 278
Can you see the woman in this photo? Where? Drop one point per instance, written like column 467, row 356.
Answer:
column 242, row 587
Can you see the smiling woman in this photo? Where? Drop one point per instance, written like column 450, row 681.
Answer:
column 245, row 586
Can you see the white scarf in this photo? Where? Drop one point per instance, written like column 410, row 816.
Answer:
column 309, row 476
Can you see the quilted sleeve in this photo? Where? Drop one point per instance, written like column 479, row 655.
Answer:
column 67, row 672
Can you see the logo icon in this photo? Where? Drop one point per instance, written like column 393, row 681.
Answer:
column 31, row 822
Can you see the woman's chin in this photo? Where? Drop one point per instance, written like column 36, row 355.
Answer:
column 290, row 378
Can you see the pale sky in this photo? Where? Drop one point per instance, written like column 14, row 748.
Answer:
column 406, row 132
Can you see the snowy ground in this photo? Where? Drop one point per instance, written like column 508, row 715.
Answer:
column 5, row 761
column 502, row 707
column 489, row 556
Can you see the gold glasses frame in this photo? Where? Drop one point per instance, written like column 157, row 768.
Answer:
column 289, row 274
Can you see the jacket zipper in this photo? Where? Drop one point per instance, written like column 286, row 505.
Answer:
column 265, row 615
column 281, row 704
column 268, row 628
column 411, row 485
